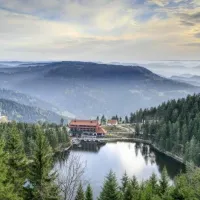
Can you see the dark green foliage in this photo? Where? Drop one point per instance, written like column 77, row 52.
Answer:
column 57, row 135
column 88, row 193
column 164, row 182
column 134, row 183
column 173, row 126
column 80, row 193
column 124, row 182
column 137, row 129
column 129, row 192
column 17, row 162
column 154, row 183
column 103, row 120
column 126, row 120
column 41, row 176
column 28, row 156
column 186, row 187
column 7, row 189
column 110, row 189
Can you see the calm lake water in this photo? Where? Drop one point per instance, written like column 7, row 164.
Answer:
column 136, row 159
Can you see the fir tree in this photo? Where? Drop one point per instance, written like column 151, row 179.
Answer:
column 164, row 182
column 42, row 178
column 129, row 192
column 153, row 183
column 124, row 182
column 134, row 183
column 80, row 193
column 110, row 189
column 17, row 162
column 6, row 188
column 137, row 130
column 88, row 193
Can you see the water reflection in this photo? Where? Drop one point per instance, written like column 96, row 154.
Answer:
column 134, row 158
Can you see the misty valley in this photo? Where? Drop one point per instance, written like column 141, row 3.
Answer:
column 83, row 89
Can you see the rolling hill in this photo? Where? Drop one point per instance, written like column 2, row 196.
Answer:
column 86, row 89
column 20, row 112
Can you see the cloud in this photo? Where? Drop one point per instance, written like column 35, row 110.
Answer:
column 191, row 18
column 193, row 44
column 197, row 35
column 106, row 30
column 187, row 23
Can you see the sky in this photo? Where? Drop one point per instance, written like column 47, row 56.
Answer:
column 99, row 30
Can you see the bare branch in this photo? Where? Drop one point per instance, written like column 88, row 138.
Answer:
column 71, row 175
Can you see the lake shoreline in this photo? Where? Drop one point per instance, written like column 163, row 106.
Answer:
column 153, row 146
column 148, row 142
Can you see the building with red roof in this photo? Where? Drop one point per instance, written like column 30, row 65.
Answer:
column 91, row 127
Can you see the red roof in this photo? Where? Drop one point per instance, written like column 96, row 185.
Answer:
column 77, row 122
column 112, row 121
column 101, row 130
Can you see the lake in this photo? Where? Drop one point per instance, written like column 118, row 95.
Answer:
column 133, row 158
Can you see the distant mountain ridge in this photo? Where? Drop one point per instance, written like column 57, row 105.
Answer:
column 87, row 89
column 28, row 100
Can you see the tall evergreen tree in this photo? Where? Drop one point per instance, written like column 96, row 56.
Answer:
column 80, row 193
column 7, row 191
column 124, row 182
column 88, row 193
column 110, row 190
column 164, row 182
column 42, row 178
column 154, row 183
column 134, row 183
column 126, row 120
column 129, row 193
column 137, row 130
column 17, row 162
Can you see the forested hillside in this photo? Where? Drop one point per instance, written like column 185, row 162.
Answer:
column 24, row 113
column 173, row 126
column 26, row 100
column 56, row 135
column 26, row 160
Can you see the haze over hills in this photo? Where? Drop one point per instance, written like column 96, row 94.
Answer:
column 86, row 89
column 190, row 79
column 169, row 68
column 26, row 100
column 24, row 113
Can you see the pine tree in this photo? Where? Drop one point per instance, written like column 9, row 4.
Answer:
column 137, row 130
column 80, row 193
column 88, row 193
column 128, row 193
column 6, row 188
column 134, row 183
column 126, row 120
column 153, row 183
column 164, row 182
column 17, row 162
column 42, row 178
column 124, row 182
column 110, row 189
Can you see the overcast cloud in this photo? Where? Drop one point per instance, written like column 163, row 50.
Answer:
column 99, row 30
